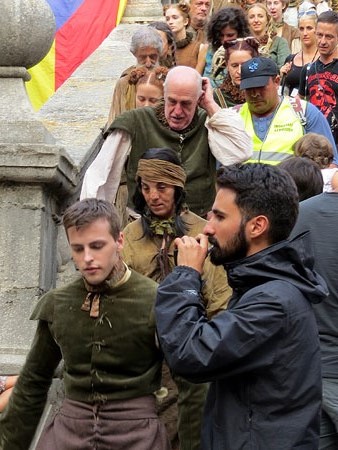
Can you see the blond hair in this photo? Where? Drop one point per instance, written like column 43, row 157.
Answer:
column 270, row 31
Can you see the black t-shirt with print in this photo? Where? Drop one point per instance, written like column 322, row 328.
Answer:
column 319, row 85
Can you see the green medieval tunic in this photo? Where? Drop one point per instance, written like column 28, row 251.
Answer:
column 111, row 357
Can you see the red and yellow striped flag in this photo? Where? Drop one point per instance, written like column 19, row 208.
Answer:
column 81, row 26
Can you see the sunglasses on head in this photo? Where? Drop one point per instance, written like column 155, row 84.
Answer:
column 309, row 12
column 249, row 40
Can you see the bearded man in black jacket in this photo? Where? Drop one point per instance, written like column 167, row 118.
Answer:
column 262, row 354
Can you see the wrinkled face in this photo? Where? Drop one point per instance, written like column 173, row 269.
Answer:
column 275, row 8
column 236, row 59
column 200, row 9
column 327, row 38
column 147, row 57
column 159, row 198
column 94, row 250
column 262, row 101
column 258, row 20
column 180, row 103
column 307, row 31
column 175, row 20
column 226, row 229
column 148, row 95
column 228, row 34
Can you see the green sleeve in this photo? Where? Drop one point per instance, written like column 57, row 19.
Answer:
column 21, row 417
column 279, row 51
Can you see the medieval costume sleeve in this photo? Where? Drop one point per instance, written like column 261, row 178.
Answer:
column 103, row 176
column 21, row 417
column 228, row 141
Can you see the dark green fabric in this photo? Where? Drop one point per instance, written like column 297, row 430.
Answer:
column 223, row 99
column 113, row 357
column 21, row 417
column 192, row 147
column 101, row 359
column 191, row 400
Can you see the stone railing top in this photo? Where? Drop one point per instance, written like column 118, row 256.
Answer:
column 27, row 29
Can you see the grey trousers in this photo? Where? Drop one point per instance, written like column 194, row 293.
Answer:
column 329, row 418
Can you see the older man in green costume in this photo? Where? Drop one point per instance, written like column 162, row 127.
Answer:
column 190, row 122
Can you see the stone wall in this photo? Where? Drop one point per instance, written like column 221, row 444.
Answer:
column 34, row 194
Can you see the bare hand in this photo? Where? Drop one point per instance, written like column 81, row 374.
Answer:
column 206, row 100
column 284, row 70
column 192, row 252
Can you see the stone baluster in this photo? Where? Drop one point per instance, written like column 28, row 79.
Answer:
column 35, row 176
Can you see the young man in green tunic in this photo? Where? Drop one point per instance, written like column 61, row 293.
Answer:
column 102, row 326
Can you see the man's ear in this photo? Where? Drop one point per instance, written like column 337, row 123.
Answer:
column 277, row 80
column 257, row 227
column 120, row 241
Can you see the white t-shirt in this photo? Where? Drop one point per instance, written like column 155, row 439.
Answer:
column 327, row 177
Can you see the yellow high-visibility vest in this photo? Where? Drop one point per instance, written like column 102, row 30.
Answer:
column 285, row 129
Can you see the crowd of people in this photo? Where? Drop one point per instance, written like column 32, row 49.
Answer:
column 204, row 314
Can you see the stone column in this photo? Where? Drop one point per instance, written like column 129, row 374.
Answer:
column 139, row 11
column 35, row 177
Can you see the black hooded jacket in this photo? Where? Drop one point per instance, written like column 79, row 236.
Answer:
column 261, row 355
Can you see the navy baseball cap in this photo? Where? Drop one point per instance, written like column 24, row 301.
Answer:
column 257, row 71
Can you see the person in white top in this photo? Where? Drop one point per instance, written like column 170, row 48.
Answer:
column 321, row 6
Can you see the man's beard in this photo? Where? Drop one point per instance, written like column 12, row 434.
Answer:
column 236, row 248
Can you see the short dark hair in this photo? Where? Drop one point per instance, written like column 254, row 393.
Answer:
column 306, row 174
column 233, row 17
column 87, row 211
column 163, row 26
column 328, row 17
column 164, row 154
column 263, row 189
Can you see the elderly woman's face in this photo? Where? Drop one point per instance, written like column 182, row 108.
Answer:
column 159, row 198
column 236, row 59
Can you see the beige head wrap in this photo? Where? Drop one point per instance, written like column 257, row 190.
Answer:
column 159, row 171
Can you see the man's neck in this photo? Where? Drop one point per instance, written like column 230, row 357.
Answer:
column 327, row 59
column 117, row 273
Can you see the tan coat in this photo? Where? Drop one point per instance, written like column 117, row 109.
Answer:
column 124, row 96
column 140, row 254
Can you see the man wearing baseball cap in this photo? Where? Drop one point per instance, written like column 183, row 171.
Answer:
column 275, row 123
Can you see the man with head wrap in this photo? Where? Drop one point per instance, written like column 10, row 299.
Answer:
column 149, row 249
